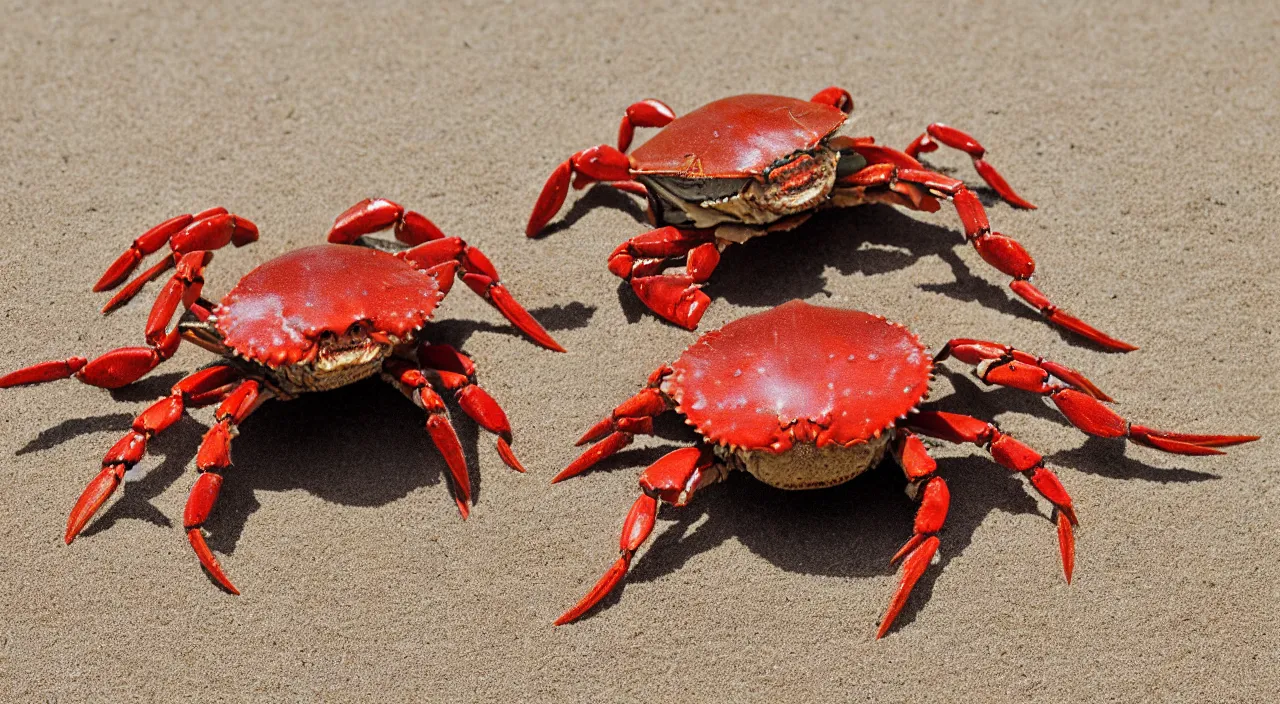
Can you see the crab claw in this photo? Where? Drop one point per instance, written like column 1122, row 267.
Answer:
column 678, row 299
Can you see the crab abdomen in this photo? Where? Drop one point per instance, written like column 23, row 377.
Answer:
column 276, row 314
column 736, row 136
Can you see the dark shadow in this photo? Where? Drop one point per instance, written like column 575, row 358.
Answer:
column 1102, row 457
column 151, row 388
column 849, row 531
column 852, row 530
column 76, row 427
column 178, row 444
column 360, row 445
column 870, row 240
column 569, row 316
column 600, row 196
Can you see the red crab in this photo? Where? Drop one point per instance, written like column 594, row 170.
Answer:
column 748, row 165
column 804, row 397
column 310, row 320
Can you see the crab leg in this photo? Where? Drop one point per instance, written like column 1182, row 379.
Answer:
column 676, row 298
column 1088, row 414
column 632, row 417
column 211, row 461
column 208, row 230
column 836, row 97
column 111, row 370
column 934, row 499
column 646, row 113
column 373, row 214
column 479, row 274
column 413, row 383
column 980, row 352
column 673, row 479
column 893, row 169
column 198, row 389
column 598, row 163
column 454, row 371
column 1012, row 455
column 956, row 139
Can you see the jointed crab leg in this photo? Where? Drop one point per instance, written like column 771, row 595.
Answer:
column 1085, row 411
column 212, row 459
column 479, row 274
column 646, row 113
column 198, row 389
column 413, row 383
column 957, row 139
column 1013, row 455
column 598, row 163
column 208, row 230
column 980, row 352
column 454, row 371
column 676, row 298
column 111, row 370
column 673, row 479
column 373, row 214
column 891, row 169
column 934, row 499
column 632, row 417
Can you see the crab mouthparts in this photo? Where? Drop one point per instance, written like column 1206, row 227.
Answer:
column 795, row 185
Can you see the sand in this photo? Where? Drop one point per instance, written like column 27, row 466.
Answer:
column 1147, row 136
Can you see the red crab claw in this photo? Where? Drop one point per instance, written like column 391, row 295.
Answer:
column 374, row 214
column 956, row 139
column 834, row 96
column 673, row 478
column 1090, row 416
column 678, row 299
column 599, row 163
column 646, row 113
column 479, row 274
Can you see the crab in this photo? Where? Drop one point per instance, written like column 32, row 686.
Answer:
column 748, row 165
column 312, row 319
column 804, row 397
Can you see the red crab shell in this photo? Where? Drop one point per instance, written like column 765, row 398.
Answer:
column 278, row 311
column 737, row 136
column 800, row 372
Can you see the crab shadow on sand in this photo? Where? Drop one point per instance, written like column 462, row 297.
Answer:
column 869, row 240
column 851, row 530
column 321, row 443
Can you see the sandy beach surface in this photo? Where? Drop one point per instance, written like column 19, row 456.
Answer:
column 1146, row 134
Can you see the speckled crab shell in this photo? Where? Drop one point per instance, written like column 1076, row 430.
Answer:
column 277, row 313
column 737, row 136
column 799, row 372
